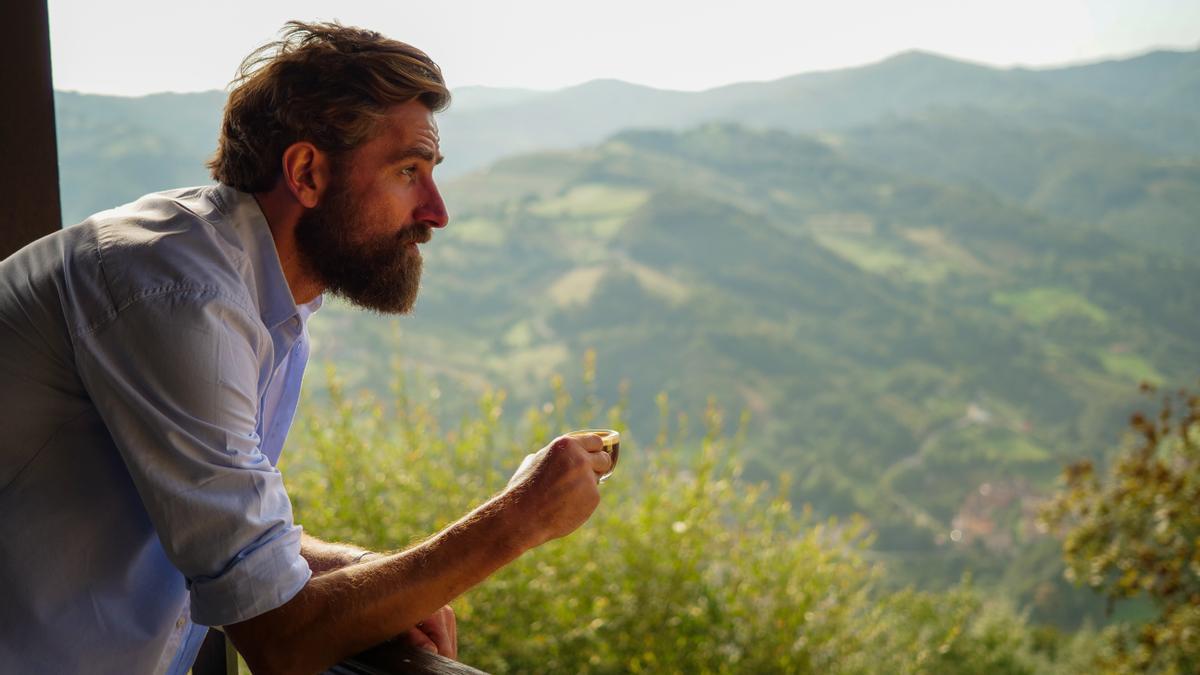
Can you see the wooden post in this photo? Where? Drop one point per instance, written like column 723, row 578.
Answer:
column 214, row 656
column 29, row 206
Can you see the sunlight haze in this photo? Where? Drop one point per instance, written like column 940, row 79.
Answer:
column 136, row 47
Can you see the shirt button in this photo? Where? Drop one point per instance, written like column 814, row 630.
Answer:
column 179, row 623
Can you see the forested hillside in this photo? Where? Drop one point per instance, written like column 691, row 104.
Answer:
column 930, row 283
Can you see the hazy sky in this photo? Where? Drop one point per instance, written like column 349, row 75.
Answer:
column 135, row 47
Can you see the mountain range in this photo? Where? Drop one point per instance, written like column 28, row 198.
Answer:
column 930, row 283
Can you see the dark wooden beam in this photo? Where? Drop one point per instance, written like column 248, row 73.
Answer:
column 392, row 658
column 215, row 656
column 29, row 206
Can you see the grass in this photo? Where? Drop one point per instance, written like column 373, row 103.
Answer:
column 1040, row 306
column 877, row 256
column 662, row 285
column 592, row 201
column 576, row 287
column 1130, row 366
column 477, row 230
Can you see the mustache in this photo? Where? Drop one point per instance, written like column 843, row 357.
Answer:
column 417, row 233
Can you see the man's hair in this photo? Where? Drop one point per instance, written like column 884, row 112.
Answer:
column 323, row 83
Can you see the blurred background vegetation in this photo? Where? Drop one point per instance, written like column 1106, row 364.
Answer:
column 686, row 566
column 931, row 285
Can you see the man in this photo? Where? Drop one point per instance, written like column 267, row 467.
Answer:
column 150, row 363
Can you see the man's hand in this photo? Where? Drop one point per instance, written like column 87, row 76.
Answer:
column 556, row 487
column 438, row 634
column 347, row 610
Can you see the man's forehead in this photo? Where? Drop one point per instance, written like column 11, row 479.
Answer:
column 410, row 123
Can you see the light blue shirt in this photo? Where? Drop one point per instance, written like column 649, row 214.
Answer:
column 150, row 364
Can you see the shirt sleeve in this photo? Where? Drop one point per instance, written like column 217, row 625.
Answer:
column 175, row 378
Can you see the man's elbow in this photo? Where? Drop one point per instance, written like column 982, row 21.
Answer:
column 261, row 655
column 270, row 643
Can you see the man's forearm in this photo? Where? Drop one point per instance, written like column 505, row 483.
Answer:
column 345, row 611
column 350, row 609
column 324, row 556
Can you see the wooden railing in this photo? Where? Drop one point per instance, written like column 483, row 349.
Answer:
column 218, row 658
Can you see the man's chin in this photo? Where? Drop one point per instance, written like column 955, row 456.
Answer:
column 401, row 304
column 398, row 297
column 387, row 288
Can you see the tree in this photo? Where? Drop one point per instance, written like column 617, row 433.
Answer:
column 1135, row 533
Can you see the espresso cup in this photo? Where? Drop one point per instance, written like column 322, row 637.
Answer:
column 612, row 444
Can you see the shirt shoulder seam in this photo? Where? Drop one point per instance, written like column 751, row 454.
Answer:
column 202, row 290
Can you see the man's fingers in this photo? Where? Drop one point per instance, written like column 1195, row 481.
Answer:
column 590, row 442
column 442, row 630
column 594, row 445
column 418, row 638
column 601, row 461
column 452, row 629
column 449, row 645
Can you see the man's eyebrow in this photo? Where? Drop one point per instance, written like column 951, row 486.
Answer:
column 419, row 152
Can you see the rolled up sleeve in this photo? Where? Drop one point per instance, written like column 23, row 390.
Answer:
column 175, row 376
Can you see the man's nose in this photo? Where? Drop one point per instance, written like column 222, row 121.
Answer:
column 432, row 209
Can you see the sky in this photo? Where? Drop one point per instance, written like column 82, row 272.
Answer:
column 136, row 47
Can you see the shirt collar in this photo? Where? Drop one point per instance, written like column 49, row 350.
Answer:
column 249, row 226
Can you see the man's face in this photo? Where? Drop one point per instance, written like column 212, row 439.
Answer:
column 361, row 239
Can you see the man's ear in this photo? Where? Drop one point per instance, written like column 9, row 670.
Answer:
column 305, row 172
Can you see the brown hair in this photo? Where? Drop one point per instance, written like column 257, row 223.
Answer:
column 320, row 82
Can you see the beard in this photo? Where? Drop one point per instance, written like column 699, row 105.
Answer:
column 382, row 273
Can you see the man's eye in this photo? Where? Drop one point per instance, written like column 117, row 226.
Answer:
column 409, row 171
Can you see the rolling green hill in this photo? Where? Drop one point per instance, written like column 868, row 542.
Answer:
column 1111, row 183
column 901, row 344
column 944, row 289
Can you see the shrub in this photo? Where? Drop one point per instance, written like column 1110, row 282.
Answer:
column 683, row 568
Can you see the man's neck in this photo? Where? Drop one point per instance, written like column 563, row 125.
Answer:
column 283, row 214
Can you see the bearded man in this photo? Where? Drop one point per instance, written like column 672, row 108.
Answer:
column 150, row 364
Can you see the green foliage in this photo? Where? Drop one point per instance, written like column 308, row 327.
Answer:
column 1042, row 305
column 952, row 237
column 1135, row 533
column 685, row 567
